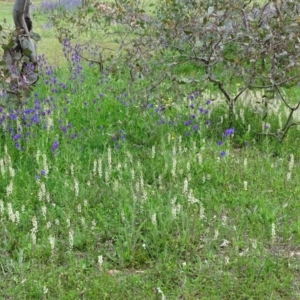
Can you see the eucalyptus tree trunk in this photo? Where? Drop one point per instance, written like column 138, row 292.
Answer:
column 20, row 58
column 23, row 24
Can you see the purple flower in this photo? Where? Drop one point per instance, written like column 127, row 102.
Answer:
column 208, row 101
column 188, row 122
column 12, row 116
column 246, row 144
column 222, row 153
column 187, row 133
column 18, row 146
column 16, row 136
column 207, row 122
column 201, row 110
column 43, row 172
column 220, row 143
column 35, row 119
column 54, row 146
column 191, row 97
column 228, row 132
column 195, row 127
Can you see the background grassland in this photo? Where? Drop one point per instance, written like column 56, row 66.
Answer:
column 135, row 202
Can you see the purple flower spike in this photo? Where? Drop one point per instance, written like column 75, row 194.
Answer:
column 16, row 136
column 54, row 146
column 228, row 132
column 222, row 153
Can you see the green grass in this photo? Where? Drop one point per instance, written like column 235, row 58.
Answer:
column 127, row 185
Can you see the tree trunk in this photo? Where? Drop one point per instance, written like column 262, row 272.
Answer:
column 23, row 23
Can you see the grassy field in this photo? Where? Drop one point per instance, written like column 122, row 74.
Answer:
column 103, row 197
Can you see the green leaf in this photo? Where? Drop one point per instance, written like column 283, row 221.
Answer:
column 35, row 36
column 18, row 56
column 27, row 52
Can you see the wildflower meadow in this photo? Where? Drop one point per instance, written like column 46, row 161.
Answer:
column 106, row 194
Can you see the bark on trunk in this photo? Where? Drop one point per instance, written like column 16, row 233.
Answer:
column 23, row 23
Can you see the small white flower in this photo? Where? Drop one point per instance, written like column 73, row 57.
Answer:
column 109, row 159
column 100, row 261
column 159, row 291
column 11, row 214
column 94, row 167
column 45, row 165
column 76, row 187
column 45, row 290
column 291, row 162
column 1, row 207
column 11, row 171
column 185, row 186
column 107, row 177
column 52, row 243
column 201, row 213
column 100, row 168
column 72, row 170
column 9, row 189
column 153, row 219
column 216, row 234
column 2, row 168
column 71, row 239
column 153, row 152
column 273, row 232
column 17, row 217
column 44, row 211
column 173, row 172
